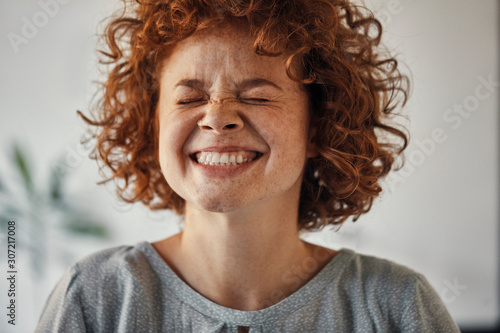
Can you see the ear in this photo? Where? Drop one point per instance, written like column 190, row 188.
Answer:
column 311, row 150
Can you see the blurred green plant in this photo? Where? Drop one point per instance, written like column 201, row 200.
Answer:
column 36, row 208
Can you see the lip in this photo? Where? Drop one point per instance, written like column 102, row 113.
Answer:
column 224, row 149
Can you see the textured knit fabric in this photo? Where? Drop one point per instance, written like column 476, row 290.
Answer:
column 131, row 289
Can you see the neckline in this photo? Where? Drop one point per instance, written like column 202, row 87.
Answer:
column 201, row 304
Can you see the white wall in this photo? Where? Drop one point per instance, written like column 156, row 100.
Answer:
column 439, row 215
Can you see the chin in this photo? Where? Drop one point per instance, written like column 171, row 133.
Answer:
column 220, row 206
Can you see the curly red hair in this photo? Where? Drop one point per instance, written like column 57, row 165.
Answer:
column 353, row 88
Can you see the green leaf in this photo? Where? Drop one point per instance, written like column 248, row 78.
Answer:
column 87, row 227
column 55, row 185
column 20, row 161
column 12, row 211
column 3, row 223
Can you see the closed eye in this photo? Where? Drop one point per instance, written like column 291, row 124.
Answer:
column 261, row 100
column 190, row 101
column 193, row 101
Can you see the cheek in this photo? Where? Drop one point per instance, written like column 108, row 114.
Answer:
column 173, row 134
column 287, row 140
column 288, row 131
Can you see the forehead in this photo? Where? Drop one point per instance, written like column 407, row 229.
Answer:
column 225, row 33
column 226, row 50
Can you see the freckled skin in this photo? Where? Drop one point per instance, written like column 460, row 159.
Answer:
column 241, row 231
column 220, row 58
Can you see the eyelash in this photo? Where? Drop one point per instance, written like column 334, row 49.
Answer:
column 190, row 102
column 257, row 99
column 260, row 100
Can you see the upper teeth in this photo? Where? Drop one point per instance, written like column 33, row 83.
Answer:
column 229, row 158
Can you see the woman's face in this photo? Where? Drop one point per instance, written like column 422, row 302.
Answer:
column 234, row 129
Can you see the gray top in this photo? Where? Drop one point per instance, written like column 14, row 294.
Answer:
column 131, row 289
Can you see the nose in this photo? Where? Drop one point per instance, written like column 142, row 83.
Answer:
column 221, row 116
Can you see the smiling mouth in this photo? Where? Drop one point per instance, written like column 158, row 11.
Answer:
column 225, row 158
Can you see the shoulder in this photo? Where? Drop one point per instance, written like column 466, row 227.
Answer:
column 392, row 294
column 115, row 263
column 111, row 259
column 109, row 267
column 375, row 273
column 388, row 282
column 97, row 286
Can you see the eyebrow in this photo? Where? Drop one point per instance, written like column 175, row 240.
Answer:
column 256, row 82
column 245, row 84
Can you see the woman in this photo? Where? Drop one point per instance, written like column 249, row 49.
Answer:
column 255, row 120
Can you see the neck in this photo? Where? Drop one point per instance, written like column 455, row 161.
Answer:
column 238, row 257
column 247, row 260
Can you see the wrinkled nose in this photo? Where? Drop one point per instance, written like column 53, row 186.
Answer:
column 221, row 117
